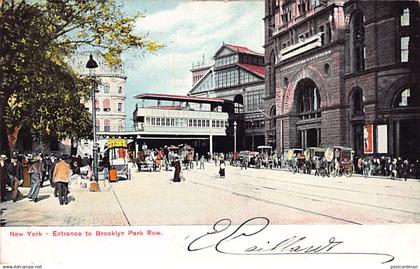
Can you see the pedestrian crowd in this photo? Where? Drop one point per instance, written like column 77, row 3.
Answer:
column 36, row 169
column 387, row 167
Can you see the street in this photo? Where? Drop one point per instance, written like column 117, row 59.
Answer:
column 151, row 198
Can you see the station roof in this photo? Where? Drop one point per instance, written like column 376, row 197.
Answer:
column 180, row 98
column 242, row 49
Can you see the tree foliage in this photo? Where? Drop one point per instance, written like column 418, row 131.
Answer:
column 37, row 87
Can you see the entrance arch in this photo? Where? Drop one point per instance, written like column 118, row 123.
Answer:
column 307, row 108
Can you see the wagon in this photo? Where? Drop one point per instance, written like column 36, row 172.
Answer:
column 117, row 158
column 340, row 161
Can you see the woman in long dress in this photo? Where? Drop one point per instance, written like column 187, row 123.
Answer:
column 177, row 177
column 222, row 168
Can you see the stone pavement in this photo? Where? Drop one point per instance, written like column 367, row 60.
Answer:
column 85, row 208
column 151, row 198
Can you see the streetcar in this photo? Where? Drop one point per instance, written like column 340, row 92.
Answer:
column 116, row 158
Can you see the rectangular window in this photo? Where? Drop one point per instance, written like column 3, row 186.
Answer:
column 172, row 122
column 199, row 123
column 119, row 107
column 322, row 34
column 157, row 121
column 329, row 33
column 168, row 122
column 405, row 40
column 315, row 3
column 405, row 17
column 190, row 122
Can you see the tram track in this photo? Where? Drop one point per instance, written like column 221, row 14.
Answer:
column 329, row 187
column 278, row 204
column 336, row 199
column 238, row 189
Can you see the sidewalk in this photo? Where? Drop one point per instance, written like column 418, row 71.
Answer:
column 85, row 208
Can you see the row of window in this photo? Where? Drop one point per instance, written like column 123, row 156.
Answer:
column 105, row 88
column 302, row 7
column 230, row 78
column 358, row 49
column 254, row 100
column 254, row 124
column 207, row 85
column 324, row 31
column 107, row 127
column 226, row 60
column 226, row 78
column 184, row 122
column 106, row 106
column 406, row 98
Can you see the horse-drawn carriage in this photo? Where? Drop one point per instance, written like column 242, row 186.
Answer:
column 265, row 156
column 295, row 160
column 340, row 161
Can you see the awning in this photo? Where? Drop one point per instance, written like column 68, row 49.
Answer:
column 174, row 138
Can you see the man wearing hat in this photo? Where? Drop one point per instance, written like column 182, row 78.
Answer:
column 36, row 177
column 14, row 172
column 61, row 176
column 3, row 177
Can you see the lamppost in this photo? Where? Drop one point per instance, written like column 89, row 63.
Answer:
column 91, row 65
column 253, row 127
column 235, row 124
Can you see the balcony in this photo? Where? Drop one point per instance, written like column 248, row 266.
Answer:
column 301, row 47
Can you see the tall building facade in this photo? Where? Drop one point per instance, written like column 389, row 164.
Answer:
column 237, row 74
column 343, row 73
column 110, row 95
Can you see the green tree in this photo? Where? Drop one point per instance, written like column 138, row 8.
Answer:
column 37, row 87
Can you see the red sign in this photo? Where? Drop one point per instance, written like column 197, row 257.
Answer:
column 368, row 139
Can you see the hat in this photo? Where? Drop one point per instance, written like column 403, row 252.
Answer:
column 14, row 155
column 3, row 157
column 38, row 158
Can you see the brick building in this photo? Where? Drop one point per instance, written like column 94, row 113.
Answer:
column 343, row 73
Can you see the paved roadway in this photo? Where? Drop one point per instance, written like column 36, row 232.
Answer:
column 151, row 198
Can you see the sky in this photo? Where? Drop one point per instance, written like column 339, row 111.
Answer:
column 189, row 30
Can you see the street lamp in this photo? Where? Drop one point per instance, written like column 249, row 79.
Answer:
column 235, row 124
column 91, row 65
column 252, row 125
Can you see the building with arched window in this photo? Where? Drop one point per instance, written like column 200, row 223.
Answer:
column 110, row 94
column 344, row 72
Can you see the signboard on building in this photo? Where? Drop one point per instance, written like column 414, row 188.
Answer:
column 116, row 142
column 382, row 138
column 368, row 139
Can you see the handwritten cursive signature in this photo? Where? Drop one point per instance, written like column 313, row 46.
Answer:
column 236, row 242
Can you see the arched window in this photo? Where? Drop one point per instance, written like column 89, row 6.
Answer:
column 273, row 117
column 308, row 99
column 239, row 103
column 272, row 74
column 357, row 44
column 357, row 102
column 106, row 88
column 407, row 98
